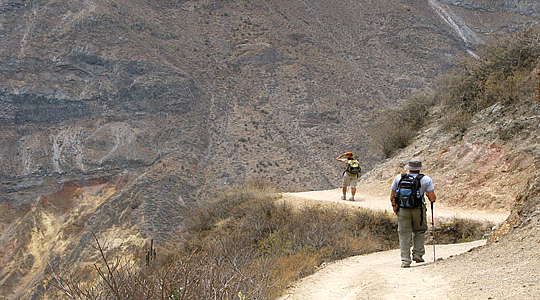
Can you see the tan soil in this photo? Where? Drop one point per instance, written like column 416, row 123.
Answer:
column 377, row 197
column 481, row 273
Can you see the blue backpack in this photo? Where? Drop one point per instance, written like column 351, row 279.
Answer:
column 408, row 192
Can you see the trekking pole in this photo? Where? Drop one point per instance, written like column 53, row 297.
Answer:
column 433, row 228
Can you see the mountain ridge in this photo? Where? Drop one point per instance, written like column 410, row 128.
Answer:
column 170, row 101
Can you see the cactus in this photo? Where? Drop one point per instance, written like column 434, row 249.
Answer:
column 151, row 253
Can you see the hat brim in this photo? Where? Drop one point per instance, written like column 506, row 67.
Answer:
column 414, row 168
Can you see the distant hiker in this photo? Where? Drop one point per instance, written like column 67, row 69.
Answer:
column 350, row 175
column 408, row 203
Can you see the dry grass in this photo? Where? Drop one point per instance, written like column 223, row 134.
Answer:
column 457, row 230
column 244, row 243
column 395, row 127
column 295, row 241
column 538, row 85
column 503, row 73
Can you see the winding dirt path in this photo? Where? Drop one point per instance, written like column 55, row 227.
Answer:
column 379, row 275
column 377, row 196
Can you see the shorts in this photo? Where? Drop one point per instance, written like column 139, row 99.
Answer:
column 350, row 180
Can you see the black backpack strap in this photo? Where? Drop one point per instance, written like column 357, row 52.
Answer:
column 421, row 214
column 403, row 175
column 419, row 178
column 396, row 197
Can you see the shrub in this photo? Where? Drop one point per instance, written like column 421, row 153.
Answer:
column 245, row 243
column 503, row 73
column 459, row 230
column 394, row 128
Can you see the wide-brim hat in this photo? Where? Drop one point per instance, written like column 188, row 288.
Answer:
column 415, row 165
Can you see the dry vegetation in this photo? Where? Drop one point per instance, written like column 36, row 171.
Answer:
column 247, row 244
column 504, row 72
column 395, row 127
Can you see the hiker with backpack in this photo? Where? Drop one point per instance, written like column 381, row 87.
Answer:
column 408, row 203
column 350, row 174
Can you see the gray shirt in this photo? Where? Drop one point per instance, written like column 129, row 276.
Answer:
column 426, row 184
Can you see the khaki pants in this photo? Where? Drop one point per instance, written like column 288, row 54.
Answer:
column 349, row 180
column 412, row 226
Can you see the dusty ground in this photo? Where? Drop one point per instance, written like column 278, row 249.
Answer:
column 503, row 270
column 378, row 276
column 378, row 197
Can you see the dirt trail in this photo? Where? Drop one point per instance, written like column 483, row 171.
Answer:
column 378, row 197
column 379, row 275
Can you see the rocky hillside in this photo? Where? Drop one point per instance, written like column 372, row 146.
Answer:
column 482, row 168
column 116, row 115
column 493, row 164
column 106, row 87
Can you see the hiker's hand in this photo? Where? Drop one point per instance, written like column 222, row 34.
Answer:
column 395, row 208
column 431, row 196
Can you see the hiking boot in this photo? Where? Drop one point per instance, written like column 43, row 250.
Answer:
column 418, row 259
column 343, row 197
column 351, row 199
column 405, row 265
